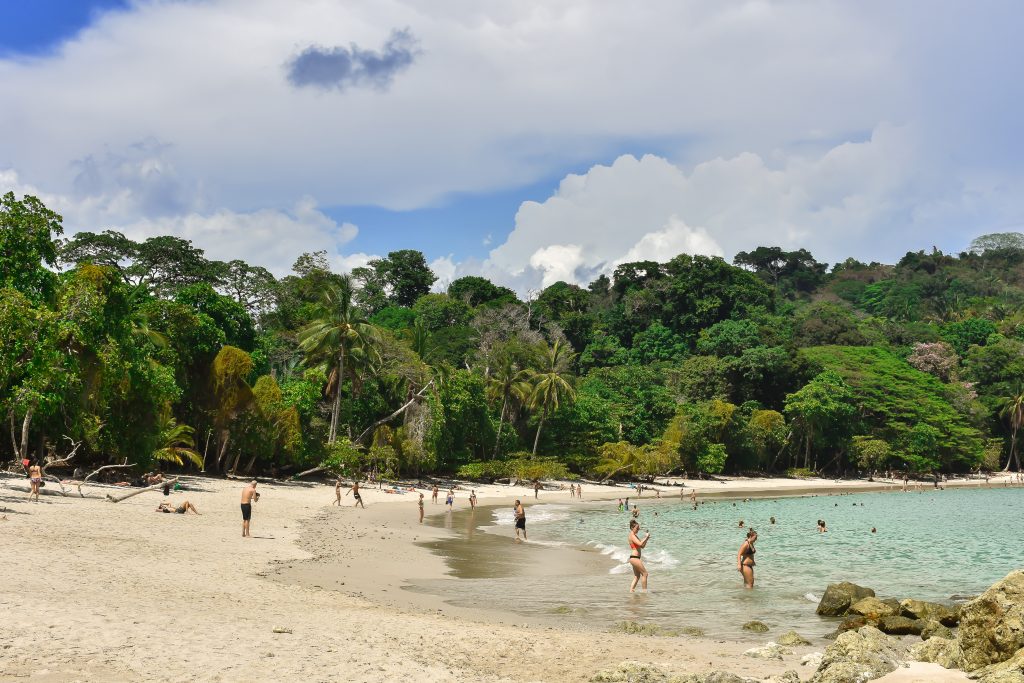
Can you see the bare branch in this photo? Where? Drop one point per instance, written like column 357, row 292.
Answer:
column 154, row 487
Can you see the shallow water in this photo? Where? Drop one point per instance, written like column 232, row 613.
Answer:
column 932, row 545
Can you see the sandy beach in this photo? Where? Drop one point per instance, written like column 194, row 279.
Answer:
column 98, row 591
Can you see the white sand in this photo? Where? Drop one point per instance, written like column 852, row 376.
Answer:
column 96, row 591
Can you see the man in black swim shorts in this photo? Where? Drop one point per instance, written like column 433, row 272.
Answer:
column 520, row 520
column 249, row 496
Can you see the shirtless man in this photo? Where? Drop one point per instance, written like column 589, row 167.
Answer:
column 249, row 496
column 520, row 519
column 355, row 494
column 35, row 478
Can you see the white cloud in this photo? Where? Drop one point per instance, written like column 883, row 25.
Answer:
column 558, row 262
column 445, row 269
column 676, row 238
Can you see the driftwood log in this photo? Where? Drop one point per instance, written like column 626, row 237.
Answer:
column 92, row 474
column 154, row 487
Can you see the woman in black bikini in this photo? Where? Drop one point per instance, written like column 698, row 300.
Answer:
column 745, row 559
column 636, row 547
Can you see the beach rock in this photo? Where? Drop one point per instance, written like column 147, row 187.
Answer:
column 710, row 677
column 634, row 628
column 859, row 656
column 839, row 596
column 900, row 626
column 812, row 660
column 784, row 677
column 933, row 629
column 692, row 631
column 756, row 626
column 942, row 651
column 631, row 672
column 919, row 609
column 992, row 625
column 282, row 629
column 893, row 604
column 872, row 609
column 792, row 638
column 1010, row 671
column 768, row 651
column 851, row 624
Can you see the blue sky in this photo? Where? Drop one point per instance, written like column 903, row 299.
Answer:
column 527, row 142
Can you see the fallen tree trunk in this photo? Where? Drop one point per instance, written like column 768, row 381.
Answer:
column 416, row 397
column 313, row 470
column 97, row 471
column 154, row 487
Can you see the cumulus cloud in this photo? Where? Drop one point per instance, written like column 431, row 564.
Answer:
column 341, row 68
column 444, row 268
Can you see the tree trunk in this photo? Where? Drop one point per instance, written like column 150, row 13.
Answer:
column 252, row 461
column 1013, row 451
column 418, row 395
column 336, row 408
column 225, row 438
column 154, row 487
column 26, row 423
column 234, row 465
column 14, row 437
column 543, row 416
column 501, row 423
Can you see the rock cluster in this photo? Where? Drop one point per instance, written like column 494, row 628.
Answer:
column 862, row 608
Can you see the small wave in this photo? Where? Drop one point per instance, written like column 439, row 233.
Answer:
column 812, row 597
column 654, row 559
column 535, row 514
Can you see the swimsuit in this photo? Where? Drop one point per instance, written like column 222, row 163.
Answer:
column 749, row 555
column 246, row 511
column 181, row 509
column 37, row 480
column 521, row 523
column 638, row 549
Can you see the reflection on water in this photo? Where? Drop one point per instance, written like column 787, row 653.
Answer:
column 929, row 545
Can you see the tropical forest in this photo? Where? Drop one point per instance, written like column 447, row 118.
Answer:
column 151, row 355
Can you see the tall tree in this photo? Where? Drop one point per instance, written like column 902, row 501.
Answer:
column 1012, row 411
column 508, row 383
column 334, row 337
column 552, row 384
column 27, row 232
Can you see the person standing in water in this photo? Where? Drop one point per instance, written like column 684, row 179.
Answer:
column 745, row 559
column 520, row 513
column 249, row 496
column 355, row 494
column 472, row 499
column 636, row 547
column 421, row 508
column 433, row 495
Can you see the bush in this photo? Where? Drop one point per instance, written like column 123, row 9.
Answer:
column 484, row 471
column 799, row 473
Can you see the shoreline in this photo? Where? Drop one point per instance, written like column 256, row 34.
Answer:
column 103, row 591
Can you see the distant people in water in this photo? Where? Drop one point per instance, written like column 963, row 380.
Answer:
column 874, row 530
column 472, row 499
column 771, row 520
column 741, row 523
column 636, row 512
column 520, row 515
column 636, row 547
column 621, row 508
column 745, row 559
column 822, row 527
column 450, row 499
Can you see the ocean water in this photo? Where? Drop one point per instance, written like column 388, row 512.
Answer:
column 932, row 545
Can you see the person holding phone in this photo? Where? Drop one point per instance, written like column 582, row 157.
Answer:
column 636, row 547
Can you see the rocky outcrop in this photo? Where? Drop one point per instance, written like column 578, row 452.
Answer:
column 768, row 651
column 710, row 677
column 1010, row 671
column 942, row 651
column 812, row 660
column 992, row 625
column 859, row 656
column 872, row 609
column 919, row 609
column 631, row 672
column 792, row 639
column 933, row 629
column 784, row 677
column 839, row 596
column 756, row 626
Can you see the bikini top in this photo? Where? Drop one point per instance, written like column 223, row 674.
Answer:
column 750, row 548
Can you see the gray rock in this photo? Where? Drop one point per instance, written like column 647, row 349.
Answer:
column 871, row 609
column 933, row 629
column 919, row 609
column 859, row 656
column 756, row 626
column 942, row 651
column 992, row 625
column 631, row 672
column 768, row 651
column 901, row 626
column 792, row 638
column 839, row 596
column 1009, row 671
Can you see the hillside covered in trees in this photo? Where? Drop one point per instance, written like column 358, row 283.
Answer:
column 150, row 353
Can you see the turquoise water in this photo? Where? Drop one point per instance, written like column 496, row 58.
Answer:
column 932, row 545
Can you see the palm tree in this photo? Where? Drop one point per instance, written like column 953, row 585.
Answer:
column 175, row 442
column 1013, row 412
column 508, row 382
column 551, row 384
column 339, row 336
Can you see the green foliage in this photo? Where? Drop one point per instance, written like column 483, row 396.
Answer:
column 871, row 453
column 394, row 318
column 711, row 458
column 440, row 311
column 477, row 291
column 27, row 232
column 344, row 458
column 966, row 333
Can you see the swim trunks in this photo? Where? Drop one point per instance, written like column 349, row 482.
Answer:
column 521, row 523
column 246, row 512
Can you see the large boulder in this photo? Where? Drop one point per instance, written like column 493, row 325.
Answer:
column 756, row 626
column 859, row 656
column 942, row 651
column 992, row 625
column 919, row 609
column 1010, row 671
column 839, row 596
column 792, row 638
column 901, row 626
column 871, row 609
column 934, row 629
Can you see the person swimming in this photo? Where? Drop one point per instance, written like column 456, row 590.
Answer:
column 745, row 559
column 636, row 547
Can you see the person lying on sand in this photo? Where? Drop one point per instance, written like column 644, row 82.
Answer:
column 181, row 509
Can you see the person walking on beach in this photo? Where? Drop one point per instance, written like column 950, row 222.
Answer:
column 337, row 493
column 421, row 508
column 472, row 499
column 355, row 494
column 249, row 496
column 636, row 547
column 35, row 479
column 433, row 495
column 450, row 500
column 745, row 559
column 536, row 488
column 520, row 519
